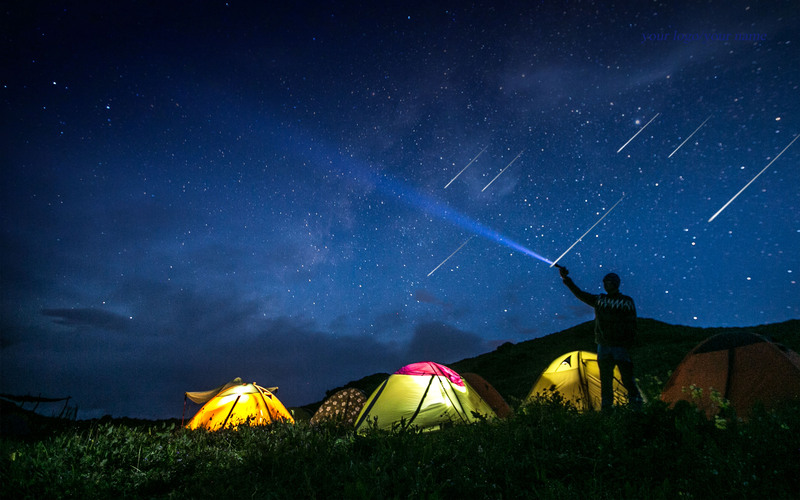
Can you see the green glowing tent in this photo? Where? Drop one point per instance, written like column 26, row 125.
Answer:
column 426, row 396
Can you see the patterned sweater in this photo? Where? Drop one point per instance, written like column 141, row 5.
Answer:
column 614, row 316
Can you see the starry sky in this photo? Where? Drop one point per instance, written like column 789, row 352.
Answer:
column 266, row 190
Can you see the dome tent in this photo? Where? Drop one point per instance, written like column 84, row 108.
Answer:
column 237, row 403
column 426, row 396
column 744, row 369
column 576, row 377
column 342, row 407
column 489, row 394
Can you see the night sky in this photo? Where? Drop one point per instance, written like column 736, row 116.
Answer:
column 263, row 189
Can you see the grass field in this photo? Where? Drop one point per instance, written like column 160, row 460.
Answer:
column 545, row 450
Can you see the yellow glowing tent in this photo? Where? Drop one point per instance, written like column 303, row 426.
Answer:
column 235, row 404
column 576, row 377
column 424, row 395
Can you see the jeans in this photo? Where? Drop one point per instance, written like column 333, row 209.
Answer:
column 607, row 358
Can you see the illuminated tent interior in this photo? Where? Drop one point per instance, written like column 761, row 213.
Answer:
column 237, row 403
column 424, row 395
column 575, row 376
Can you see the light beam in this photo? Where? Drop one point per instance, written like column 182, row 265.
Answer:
column 322, row 156
column 435, row 208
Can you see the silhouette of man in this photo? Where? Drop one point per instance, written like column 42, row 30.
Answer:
column 614, row 332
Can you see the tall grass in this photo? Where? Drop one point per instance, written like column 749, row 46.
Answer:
column 546, row 450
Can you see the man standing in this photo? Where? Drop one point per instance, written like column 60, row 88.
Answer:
column 614, row 332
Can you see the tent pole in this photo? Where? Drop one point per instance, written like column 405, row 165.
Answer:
column 460, row 409
column 264, row 402
column 63, row 410
column 230, row 412
column 729, row 376
column 365, row 412
column 583, row 380
column 422, row 400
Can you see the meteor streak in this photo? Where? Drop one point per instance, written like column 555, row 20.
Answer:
column 637, row 133
column 555, row 262
column 690, row 136
column 448, row 258
column 501, row 172
column 468, row 164
column 317, row 153
column 751, row 180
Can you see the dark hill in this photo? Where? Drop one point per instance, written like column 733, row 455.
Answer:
column 513, row 368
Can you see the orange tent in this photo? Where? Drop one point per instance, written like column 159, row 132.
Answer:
column 489, row 394
column 742, row 368
column 235, row 404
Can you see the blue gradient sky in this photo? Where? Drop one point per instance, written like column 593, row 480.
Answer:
column 257, row 189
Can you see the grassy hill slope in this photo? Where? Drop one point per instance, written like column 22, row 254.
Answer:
column 513, row 368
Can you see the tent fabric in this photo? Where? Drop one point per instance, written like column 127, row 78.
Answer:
column 299, row 414
column 431, row 368
column 424, row 397
column 743, row 368
column 236, row 404
column 489, row 394
column 576, row 377
column 203, row 397
column 341, row 407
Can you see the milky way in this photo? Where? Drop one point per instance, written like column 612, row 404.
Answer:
column 261, row 190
